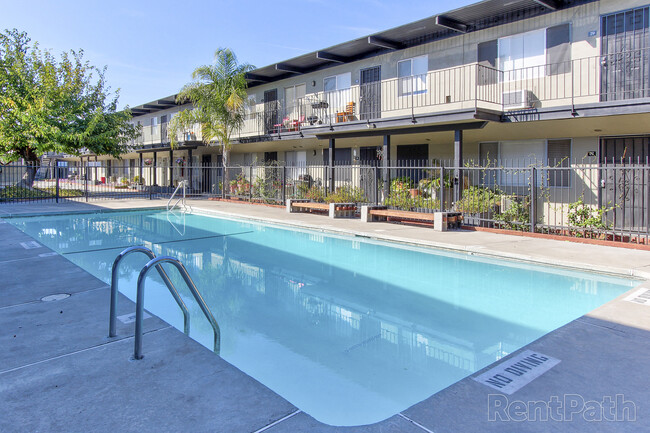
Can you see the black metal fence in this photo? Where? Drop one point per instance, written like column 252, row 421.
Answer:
column 585, row 198
column 23, row 183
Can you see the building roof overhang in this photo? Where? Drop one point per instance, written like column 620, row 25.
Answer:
column 474, row 17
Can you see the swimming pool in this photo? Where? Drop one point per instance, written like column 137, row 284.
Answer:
column 351, row 331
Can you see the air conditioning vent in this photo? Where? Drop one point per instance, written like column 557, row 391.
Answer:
column 518, row 100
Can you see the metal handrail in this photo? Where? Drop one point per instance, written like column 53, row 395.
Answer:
column 139, row 304
column 182, row 184
column 163, row 275
column 182, row 233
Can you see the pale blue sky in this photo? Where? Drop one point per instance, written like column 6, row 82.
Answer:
column 151, row 47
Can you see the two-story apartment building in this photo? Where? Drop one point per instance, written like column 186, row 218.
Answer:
column 545, row 80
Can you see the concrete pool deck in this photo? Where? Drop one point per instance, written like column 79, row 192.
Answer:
column 59, row 371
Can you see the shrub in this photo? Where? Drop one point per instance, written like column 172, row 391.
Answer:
column 589, row 218
column 347, row 194
column 516, row 216
column 478, row 200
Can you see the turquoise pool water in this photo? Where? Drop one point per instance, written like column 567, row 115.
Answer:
column 350, row 331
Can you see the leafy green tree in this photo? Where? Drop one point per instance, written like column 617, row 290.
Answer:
column 50, row 105
column 218, row 95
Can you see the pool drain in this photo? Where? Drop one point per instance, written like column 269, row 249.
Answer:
column 57, row 297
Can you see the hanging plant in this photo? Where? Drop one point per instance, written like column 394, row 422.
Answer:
column 180, row 161
column 147, row 161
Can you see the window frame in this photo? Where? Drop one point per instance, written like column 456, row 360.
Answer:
column 336, row 82
column 539, row 69
column 400, row 91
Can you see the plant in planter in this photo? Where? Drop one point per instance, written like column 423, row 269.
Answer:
column 243, row 186
column 515, row 215
column 347, row 194
column 400, row 196
column 479, row 204
column 138, row 182
column 430, row 186
column 122, row 183
column 233, row 186
column 589, row 220
column 315, row 193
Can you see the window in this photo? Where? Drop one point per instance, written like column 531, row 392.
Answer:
column 558, row 154
column 337, row 82
column 523, row 56
column 412, row 75
column 488, row 152
column 338, row 94
column 154, row 123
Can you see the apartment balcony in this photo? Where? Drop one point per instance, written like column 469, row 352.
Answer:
column 155, row 136
column 592, row 81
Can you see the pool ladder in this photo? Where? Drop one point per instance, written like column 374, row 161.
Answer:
column 182, row 185
column 156, row 262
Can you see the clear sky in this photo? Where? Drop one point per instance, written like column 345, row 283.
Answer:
column 152, row 47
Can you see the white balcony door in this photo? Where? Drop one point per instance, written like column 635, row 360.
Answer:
column 293, row 97
column 523, row 56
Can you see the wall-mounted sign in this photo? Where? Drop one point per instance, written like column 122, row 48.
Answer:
column 592, row 33
column 591, row 153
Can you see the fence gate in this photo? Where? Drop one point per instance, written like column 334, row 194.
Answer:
column 368, row 182
column 625, row 180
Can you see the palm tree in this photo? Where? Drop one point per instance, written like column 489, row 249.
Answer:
column 218, row 95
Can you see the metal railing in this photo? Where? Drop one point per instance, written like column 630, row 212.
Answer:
column 608, row 199
column 601, row 78
column 114, row 289
column 160, row 134
column 156, row 262
column 139, row 305
column 104, row 180
column 182, row 186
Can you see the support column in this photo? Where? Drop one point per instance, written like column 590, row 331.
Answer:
column 331, row 164
column 386, row 163
column 171, row 168
column 96, row 178
column 155, row 167
column 141, row 168
column 458, row 161
column 189, row 168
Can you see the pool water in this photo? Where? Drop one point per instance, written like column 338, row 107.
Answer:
column 350, row 331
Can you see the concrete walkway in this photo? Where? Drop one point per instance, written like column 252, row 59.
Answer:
column 59, row 371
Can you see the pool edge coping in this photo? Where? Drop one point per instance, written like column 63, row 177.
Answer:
column 633, row 273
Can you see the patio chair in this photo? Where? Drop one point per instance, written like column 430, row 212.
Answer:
column 295, row 124
column 347, row 115
column 278, row 126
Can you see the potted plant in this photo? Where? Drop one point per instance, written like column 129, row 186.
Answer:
column 138, row 182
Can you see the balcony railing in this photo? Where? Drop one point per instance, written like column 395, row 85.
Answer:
column 159, row 134
column 619, row 76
